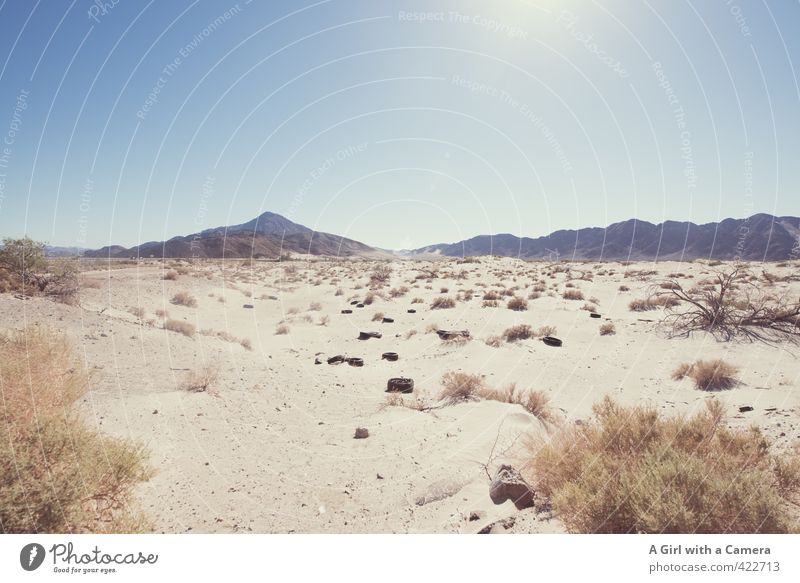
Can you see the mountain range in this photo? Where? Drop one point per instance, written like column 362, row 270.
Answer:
column 756, row 238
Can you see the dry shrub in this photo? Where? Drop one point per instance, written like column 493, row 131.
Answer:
column 494, row 341
column 397, row 292
column 184, row 299
column 572, row 294
column 624, row 288
column 460, row 386
column 246, row 343
column 545, row 331
column 630, row 470
column 417, row 301
column 589, row 308
column 378, row 316
column 202, row 380
column 490, row 304
column 652, row 303
column 518, row 332
column 443, row 303
column 171, row 275
column 59, row 476
column 324, row 320
column 185, row 328
column 534, row 295
column 517, row 304
column 607, row 329
column 162, row 313
column 282, row 329
column 708, row 375
column 369, row 298
column 409, row 334
column 491, row 295
column 315, row 307
column 381, row 275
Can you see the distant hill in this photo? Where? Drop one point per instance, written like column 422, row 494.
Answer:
column 267, row 236
column 54, row 251
column 757, row 238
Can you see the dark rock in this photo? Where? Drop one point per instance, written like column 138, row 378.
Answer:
column 508, row 484
column 361, row 433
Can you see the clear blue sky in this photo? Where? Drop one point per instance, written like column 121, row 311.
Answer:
column 398, row 124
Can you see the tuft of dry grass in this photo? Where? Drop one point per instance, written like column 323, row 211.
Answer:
column 708, row 375
column 183, row 298
column 460, row 386
column 631, row 470
column 545, row 331
column 535, row 402
column 517, row 332
column 171, row 275
column 607, row 329
column 572, row 294
column 58, row 475
column 200, row 381
column 180, row 326
column 378, row 316
column 517, row 304
column 652, row 303
column 443, row 303
column 282, row 329
column 494, row 341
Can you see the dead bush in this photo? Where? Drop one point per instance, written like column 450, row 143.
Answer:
column 607, row 329
column 460, row 386
column 202, row 380
column 572, row 294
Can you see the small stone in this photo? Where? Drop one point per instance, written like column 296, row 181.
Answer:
column 361, row 433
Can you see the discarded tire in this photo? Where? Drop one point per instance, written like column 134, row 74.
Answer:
column 347, row 311
column 552, row 341
column 338, row 359
column 354, row 302
column 412, row 311
column 392, row 356
column 450, row 334
column 745, row 409
column 594, row 315
column 368, row 335
column 248, row 306
column 400, row 385
column 359, row 305
column 388, row 320
column 355, row 361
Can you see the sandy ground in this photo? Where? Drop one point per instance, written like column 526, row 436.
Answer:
column 270, row 448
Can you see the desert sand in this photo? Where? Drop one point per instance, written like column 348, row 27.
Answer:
column 268, row 445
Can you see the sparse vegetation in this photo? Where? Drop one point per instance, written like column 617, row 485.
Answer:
column 517, row 304
column 607, row 329
column 518, row 332
column 630, row 470
column 282, row 329
column 185, row 299
column 180, row 326
column 58, row 475
column 443, row 303
column 200, row 381
column 708, row 375
column 572, row 294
